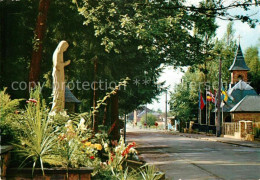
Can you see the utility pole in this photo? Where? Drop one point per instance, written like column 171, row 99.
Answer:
column 146, row 116
column 166, row 110
column 218, row 123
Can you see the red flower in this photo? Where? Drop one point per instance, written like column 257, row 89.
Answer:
column 156, row 124
column 32, row 100
column 145, row 124
column 126, row 151
column 92, row 157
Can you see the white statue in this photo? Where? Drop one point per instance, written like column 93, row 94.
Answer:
column 58, row 75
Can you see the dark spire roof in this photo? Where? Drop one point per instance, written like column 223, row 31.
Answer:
column 239, row 61
column 69, row 97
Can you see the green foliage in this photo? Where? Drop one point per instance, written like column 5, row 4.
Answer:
column 149, row 172
column 184, row 99
column 151, row 119
column 8, row 108
column 101, row 102
column 77, row 147
column 36, row 136
column 7, row 105
column 113, row 168
column 257, row 132
column 253, row 62
column 224, row 49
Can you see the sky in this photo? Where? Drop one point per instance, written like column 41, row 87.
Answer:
column 249, row 37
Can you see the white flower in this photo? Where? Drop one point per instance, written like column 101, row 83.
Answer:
column 81, row 124
column 117, row 149
column 132, row 151
column 68, row 124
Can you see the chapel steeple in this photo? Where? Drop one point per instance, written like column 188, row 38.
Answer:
column 239, row 68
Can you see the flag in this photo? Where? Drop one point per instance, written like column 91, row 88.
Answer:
column 224, row 95
column 230, row 98
column 210, row 97
column 201, row 101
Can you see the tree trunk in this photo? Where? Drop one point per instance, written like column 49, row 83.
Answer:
column 95, row 123
column 37, row 48
column 114, row 118
column 105, row 114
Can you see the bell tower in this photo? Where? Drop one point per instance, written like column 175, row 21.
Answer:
column 239, row 68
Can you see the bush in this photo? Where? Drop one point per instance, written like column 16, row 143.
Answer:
column 151, row 119
column 257, row 132
column 8, row 108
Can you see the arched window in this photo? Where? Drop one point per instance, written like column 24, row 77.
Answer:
column 240, row 77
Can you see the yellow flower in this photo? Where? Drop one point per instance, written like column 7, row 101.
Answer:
column 92, row 145
column 87, row 143
column 98, row 146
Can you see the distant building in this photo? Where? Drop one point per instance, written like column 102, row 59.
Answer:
column 241, row 113
column 71, row 101
column 244, row 102
column 139, row 113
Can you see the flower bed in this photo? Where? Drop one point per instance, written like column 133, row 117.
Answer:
column 68, row 146
column 50, row 173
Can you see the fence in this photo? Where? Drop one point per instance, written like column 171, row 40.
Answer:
column 230, row 128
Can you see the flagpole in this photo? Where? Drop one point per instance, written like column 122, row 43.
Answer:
column 207, row 126
column 222, row 115
column 199, row 110
column 200, row 116
column 209, row 116
column 218, row 121
column 215, row 104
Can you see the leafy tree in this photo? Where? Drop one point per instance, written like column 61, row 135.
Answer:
column 253, row 62
column 219, row 9
column 130, row 39
column 225, row 49
column 184, row 99
column 151, row 119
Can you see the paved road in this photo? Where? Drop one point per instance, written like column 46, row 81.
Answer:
column 188, row 158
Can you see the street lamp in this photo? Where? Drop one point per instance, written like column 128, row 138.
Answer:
column 166, row 109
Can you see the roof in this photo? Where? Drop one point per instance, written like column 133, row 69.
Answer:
column 248, row 104
column 69, row 97
column 148, row 111
column 240, row 85
column 238, row 92
column 239, row 61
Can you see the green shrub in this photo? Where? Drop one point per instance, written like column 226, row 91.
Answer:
column 257, row 132
column 151, row 119
column 8, row 110
column 149, row 172
column 35, row 132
